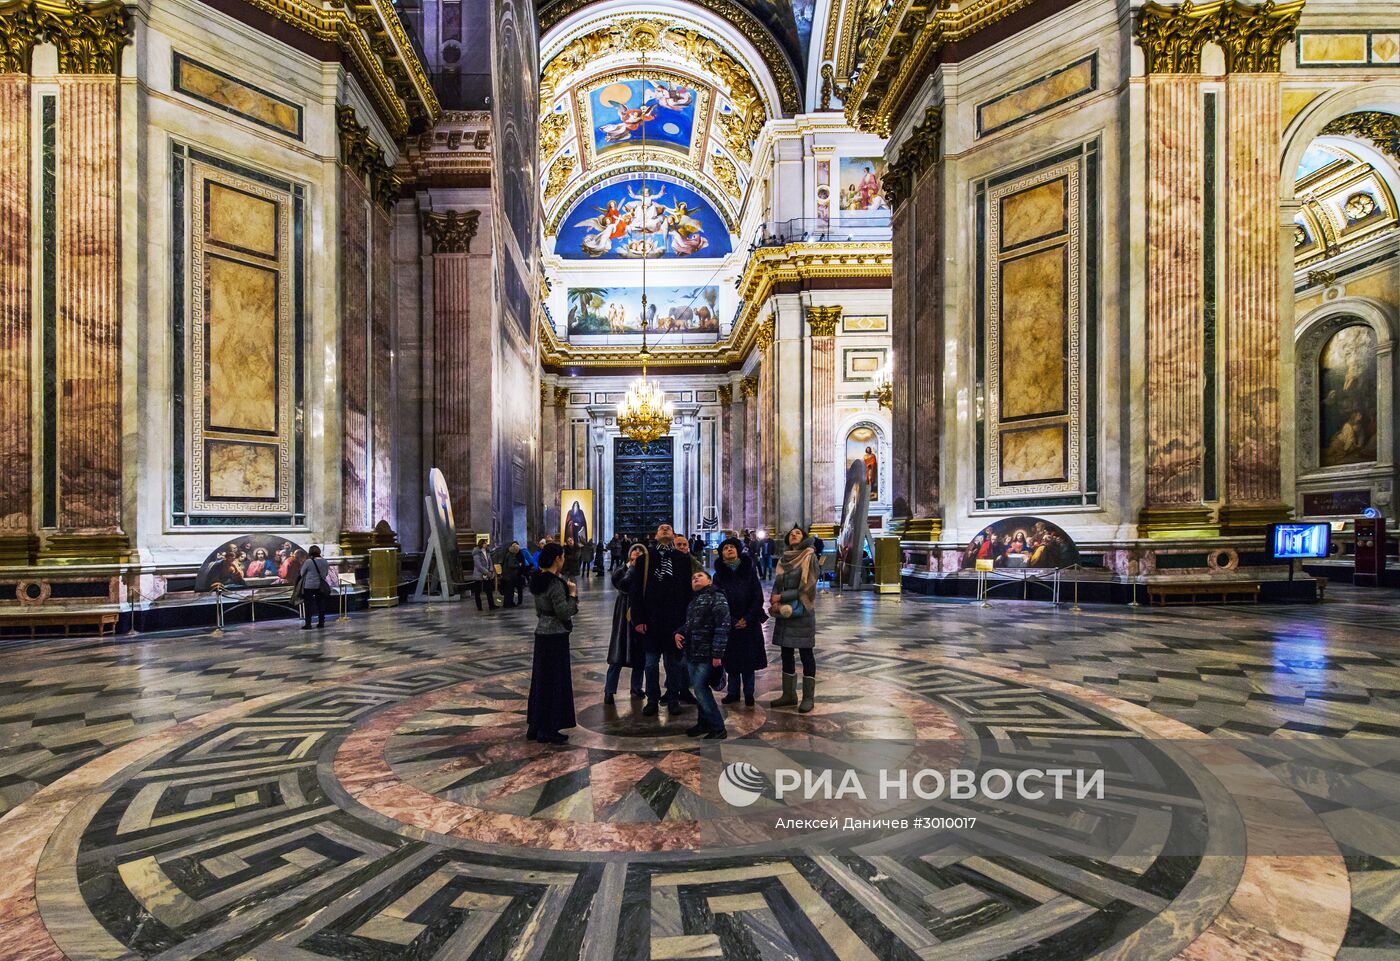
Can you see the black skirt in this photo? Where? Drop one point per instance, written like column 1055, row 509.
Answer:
column 551, row 705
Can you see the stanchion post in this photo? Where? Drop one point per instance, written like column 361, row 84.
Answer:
column 982, row 588
column 1076, row 609
column 218, row 611
column 343, row 615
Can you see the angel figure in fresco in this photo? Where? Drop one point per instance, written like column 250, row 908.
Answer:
column 629, row 121
column 675, row 97
column 608, row 226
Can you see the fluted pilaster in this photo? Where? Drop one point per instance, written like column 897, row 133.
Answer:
column 1252, row 465
column 768, row 428
column 89, row 363
column 16, row 319
column 901, row 358
column 926, row 338
column 1175, row 304
column 452, row 308
column 748, row 389
column 736, row 418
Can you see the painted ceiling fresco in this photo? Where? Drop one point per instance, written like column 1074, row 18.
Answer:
column 631, row 218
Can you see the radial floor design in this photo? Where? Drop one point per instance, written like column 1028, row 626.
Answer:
column 366, row 793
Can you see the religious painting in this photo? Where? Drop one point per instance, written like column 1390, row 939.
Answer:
column 863, row 184
column 575, row 516
column 618, row 310
column 635, row 218
column 442, row 524
column 251, row 560
column 1021, row 542
column 1347, row 398
column 626, row 111
column 863, row 446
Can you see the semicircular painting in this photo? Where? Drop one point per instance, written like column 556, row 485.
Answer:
column 629, row 218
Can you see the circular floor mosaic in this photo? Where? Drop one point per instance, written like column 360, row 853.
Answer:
column 404, row 816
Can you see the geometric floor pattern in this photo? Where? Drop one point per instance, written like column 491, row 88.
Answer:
column 365, row 792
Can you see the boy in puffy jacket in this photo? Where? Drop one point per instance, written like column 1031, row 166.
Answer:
column 703, row 638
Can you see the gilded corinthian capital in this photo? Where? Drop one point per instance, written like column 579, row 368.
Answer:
column 763, row 337
column 452, row 231
column 1253, row 37
column 748, row 387
column 823, row 320
column 19, row 33
column 1172, row 37
column 89, row 38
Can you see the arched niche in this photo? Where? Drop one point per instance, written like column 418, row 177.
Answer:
column 875, row 435
column 1345, row 354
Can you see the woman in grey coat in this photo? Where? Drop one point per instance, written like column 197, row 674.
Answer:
column 483, row 574
column 793, row 605
column 551, row 705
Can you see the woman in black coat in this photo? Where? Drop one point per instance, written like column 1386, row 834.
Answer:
column 625, row 648
column 737, row 578
column 551, row 704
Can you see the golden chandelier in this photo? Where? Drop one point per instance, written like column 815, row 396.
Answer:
column 644, row 415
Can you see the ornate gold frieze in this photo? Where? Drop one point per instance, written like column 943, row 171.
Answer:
column 1382, row 129
column 641, row 35
column 552, row 129
column 823, row 320
column 365, row 157
column 1253, row 37
column 19, row 33
column 922, row 149
column 1172, row 37
column 559, row 173
column 736, row 136
column 452, row 231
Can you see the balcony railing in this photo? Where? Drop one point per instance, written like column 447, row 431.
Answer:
column 864, row 227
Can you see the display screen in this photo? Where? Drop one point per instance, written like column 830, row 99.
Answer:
column 1299, row 540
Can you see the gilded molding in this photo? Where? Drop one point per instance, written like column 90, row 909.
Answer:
column 624, row 31
column 20, row 32
column 452, row 231
column 360, row 153
column 1253, row 37
column 1172, row 37
column 823, row 320
column 917, row 154
column 1382, row 129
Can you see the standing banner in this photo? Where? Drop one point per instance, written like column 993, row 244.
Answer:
column 441, row 560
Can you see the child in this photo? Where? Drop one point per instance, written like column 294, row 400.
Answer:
column 703, row 637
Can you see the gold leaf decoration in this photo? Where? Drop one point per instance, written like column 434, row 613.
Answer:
column 559, row 173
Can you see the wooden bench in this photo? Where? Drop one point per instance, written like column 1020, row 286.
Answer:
column 56, row 621
column 1191, row 592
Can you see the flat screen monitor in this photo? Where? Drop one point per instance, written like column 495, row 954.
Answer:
column 1290, row 541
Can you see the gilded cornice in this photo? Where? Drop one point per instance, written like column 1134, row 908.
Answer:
column 898, row 58
column 360, row 153
column 452, row 231
column 766, row 268
column 1252, row 37
column 624, row 32
column 372, row 37
column 823, row 320
column 922, row 149
column 89, row 38
column 1382, row 129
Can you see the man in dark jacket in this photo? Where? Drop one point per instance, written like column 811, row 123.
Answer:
column 703, row 637
column 659, row 599
column 515, row 567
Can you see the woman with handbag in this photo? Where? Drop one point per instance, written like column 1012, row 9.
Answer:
column 551, row 704
column 314, row 581
column 793, row 605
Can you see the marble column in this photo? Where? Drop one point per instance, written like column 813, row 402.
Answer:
column 452, row 234
column 1252, row 38
column 17, row 522
column 561, row 439
column 748, row 390
column 547, row 460
column 382, row 431
column 726, row 446
column 355, row 388
column 823, row 322
column 1176, row 363
column 901, row 479
column 767, row 429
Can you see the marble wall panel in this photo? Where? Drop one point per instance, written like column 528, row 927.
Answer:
column 1033, row 319
column 237, row 433
column 1039, row 96
column 1033, row 455
column 1033, row 215
column 16, row 324
column 238, row 97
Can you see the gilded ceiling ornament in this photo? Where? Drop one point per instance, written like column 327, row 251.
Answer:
column 19, row 33
column 89, row 38
column 823, row 320
column 727, row 175
column 552, row 129
column 452, row 231
column 1172, row 37
column 559, row 173
column 733, row 127
column 1382, row 129
column 1253, row 37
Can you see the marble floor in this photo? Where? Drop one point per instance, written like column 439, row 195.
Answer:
column 366, row 792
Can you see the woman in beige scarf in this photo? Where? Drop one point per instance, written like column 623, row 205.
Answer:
column 793, row 605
